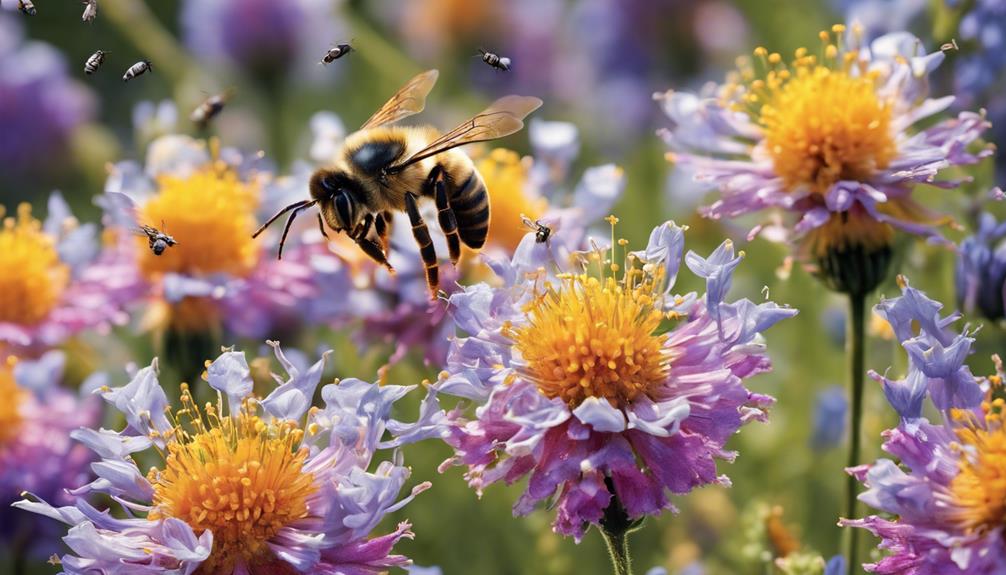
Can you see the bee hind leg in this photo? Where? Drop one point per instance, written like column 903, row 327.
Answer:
column 422, row 235
column 373, row 249
column 445, row 215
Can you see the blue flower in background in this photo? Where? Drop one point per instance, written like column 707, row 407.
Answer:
column 981, row 270
column 829, row 418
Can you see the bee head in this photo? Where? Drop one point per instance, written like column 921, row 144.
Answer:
column 159, row 247
column 338, row 197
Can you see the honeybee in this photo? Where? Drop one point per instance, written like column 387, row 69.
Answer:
column 26, row 7
column 210, row 107
column 124, row 213
column 542, row 233
column 158, row 240
column 137, row 69
column 382, row 169
column 94, row 62
column 335, row 53
column 90, row 10
column 495, row 60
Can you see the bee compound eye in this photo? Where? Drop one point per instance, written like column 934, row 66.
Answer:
column 331, row 184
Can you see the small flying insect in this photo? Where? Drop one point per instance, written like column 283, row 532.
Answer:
column 137, row 69
column 496, row 61
column 94, row 62
column 158, row 240
column 90, row 10
column 123, row 213
column 382, row 169
column 26, row 7
column 335, row 53
column 542, row 233
column 209, row 109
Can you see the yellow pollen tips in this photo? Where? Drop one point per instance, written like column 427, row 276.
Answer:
column 591, row 337
column 32, row 277
column 238, row 476
column 10, row 407
column 505, row 175
column 212, row 216
column 979, row 488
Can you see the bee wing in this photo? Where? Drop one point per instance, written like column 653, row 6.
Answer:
column 502, row 118
column 411, row 99
column 121, row 209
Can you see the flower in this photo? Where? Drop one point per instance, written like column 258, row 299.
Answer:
column 40, row 105
column 981, row 270
column 833, row 139
column 241, row 485
column 830, row 409
column 218, row 275
column 942, row 504
column 56, row 280
column 983, row 28
column 581, row 384
column 36, row 452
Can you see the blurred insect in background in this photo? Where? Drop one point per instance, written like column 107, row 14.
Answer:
column 94, row 62
column 335, row 53
column 90, row 10
column 137, row 69
column 26, row 7
column 381, row 169
column 495, row 60
column 206, row 111
column 542, row 233
column 124, row 212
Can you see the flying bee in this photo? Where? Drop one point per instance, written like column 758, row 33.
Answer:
column 94, row 62
column 122, row 211
column 335, row 53
column 381, row 169
column 158, row 240
column 542, row 233
column 26, row 7
column 137, row 69
column 495, row 60
column 209, row 109
column 90, row 10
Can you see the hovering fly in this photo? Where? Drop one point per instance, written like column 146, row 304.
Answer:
column 158, row 240
column 335, row 53
column 382, row 169
column 90, row 10
column 542, row 233
column 94, row 62
column 123, row 213
column 137, row 69
column 496, row 61
column 26, row 7
column 209, row 109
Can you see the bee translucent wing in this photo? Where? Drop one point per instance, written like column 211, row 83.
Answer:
column 121, row 209
column 411, row 99
column 504, row 117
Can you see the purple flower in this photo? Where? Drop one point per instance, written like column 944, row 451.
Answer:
column 242, row 485
column 837, row 141
column 40, row 105
column 981, row 270
column 218, row 275
column 829, row 418
column 983, row 30
column 56, row 279
column 36, row 452
column 942, row 504
column 579, row 385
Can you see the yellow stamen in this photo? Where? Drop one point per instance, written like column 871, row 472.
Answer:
column 505, row 175
column 979, row 489
column 10, row 407
column 239, row 476
column 32, row 277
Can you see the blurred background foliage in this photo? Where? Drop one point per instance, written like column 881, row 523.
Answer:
column 596, row 64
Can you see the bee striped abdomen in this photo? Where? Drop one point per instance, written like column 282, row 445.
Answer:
column 470, row 202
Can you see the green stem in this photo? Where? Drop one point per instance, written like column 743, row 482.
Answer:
column 618, row 550
column 855, row 340
column 615, row 528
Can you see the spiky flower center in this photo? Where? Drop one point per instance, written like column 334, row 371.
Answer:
column 10, row 407
column 239, row 476
column 505, row 176
column 595, row 337
column 823, row 118
column 979, row 489
column 32, row 277
column 211, row 214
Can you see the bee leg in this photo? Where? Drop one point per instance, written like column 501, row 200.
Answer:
column 426, row 249
column 369, row 246
column 321, row 226
column 445, row 215
column 382, row 225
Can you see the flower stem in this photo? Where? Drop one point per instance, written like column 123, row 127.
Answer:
column 855, row 340
column 615, row 528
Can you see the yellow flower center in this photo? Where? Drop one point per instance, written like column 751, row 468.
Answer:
column 238, row 476
column 823, row 122
column 590, row 337
column 979, row 489
column 211, row 214
column 10, row 407
column 505, row 175
column 32, row 277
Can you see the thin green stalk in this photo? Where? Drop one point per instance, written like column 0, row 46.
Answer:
column 855, row 348
column 615, row 528
column 618, row 550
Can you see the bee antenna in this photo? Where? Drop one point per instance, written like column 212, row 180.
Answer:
column 292, row 206
column 289, row 222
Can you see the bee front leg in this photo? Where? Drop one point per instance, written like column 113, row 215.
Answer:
column 445, row 215
column 422, row 235
column 369, row 246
